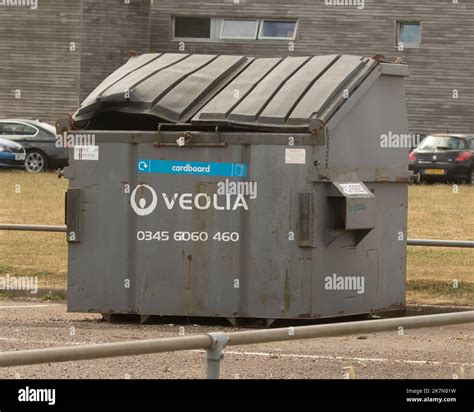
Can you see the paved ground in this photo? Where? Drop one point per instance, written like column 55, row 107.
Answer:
column 440, row 352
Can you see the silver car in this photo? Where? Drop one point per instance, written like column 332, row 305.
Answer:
column 39, row 141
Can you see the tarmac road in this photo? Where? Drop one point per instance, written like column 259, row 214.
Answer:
column 439, row 352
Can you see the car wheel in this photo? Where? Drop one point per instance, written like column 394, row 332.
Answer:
column 35, row 161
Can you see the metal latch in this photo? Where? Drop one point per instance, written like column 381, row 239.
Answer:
column 184, row 140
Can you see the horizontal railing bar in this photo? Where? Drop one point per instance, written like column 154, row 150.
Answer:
column 104, row 350
column 34, row 228
column 347, row 328
column 108, row 350
column 440, row 243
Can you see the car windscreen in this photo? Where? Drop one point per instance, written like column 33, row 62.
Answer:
column 435, row 143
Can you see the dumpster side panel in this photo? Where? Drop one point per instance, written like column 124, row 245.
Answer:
column 379, row 260
column 182, row 276
column 279, row 271
column 392, row 244
column 100, row 278
column 374, row 270
column 371, row 133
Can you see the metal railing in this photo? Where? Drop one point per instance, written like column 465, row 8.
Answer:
column 35, row 228
column 214, row 343
column 410, row 242
column 441, row 243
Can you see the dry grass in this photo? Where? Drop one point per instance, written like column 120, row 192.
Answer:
column 435, row 211
column 33, row 199
column 441, row 212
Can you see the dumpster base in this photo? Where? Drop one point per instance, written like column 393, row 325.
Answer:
column 238, row 322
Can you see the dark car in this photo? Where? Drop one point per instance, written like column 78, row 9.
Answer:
column 12, row 155
column 39, row 141
column 444, row 157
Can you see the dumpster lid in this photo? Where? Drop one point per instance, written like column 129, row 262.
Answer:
column 237, row 91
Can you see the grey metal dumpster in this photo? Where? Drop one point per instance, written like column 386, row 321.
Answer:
column 238, row 187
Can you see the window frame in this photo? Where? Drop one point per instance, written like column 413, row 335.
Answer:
column 217, row 24
column 222, row 23
column 262, row 23
column 410, row 45
column 34, row 129
column 14, row 136
column 173, row 29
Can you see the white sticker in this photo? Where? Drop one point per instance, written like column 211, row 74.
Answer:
column 86, row 152
column 353, row 189
column 295, row 156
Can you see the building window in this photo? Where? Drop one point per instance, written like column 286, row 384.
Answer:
column 239, row 29
column 221, row 29
column 409, row 34
column 278, row 29
column 192, row 27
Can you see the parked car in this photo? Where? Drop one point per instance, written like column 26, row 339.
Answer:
column 39, row 141
column 12, row 155
column 444, row 157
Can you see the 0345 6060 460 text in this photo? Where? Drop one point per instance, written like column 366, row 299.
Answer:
column 186, row 236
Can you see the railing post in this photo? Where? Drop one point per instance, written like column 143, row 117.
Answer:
column 214, row 354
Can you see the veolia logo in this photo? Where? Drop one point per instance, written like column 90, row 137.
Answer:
column 140, row 208
column 229, row 196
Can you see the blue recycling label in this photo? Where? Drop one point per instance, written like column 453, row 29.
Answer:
column 180, row 167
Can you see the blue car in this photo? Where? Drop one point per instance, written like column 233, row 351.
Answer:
column 12, row 155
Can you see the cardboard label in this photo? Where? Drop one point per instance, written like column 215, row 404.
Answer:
column 180, row 167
